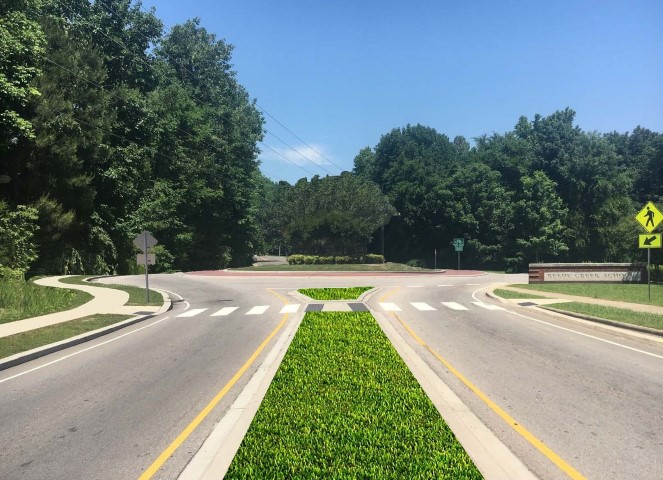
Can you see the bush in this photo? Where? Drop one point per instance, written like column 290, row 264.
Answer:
column 373, row 258
column 342, row 259
column 295, row 259
column 416, row 262
column 326, row 260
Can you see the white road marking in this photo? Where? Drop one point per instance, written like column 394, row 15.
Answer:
column 191, row 313
column 488, row 306
column 291, row 308
column 472, row 284
column 415, row 286
column 422, row 306
column 454, row 306
column 259, row 310
column 224, row 311
column 82, row 351
column 574, row 331
column 445, row 285
column 390, row 307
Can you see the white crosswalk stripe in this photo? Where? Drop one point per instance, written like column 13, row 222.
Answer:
column 422, row 306
column 488, row 306
column 224, row 311
column 192, row 312
column 259, row 310
column 390, row 307
column 454, row 306
column 292, row 308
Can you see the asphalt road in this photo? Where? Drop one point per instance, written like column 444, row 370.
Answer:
column 108, row 412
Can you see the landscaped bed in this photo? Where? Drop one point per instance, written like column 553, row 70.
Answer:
column 344, row 405
column 350, row 293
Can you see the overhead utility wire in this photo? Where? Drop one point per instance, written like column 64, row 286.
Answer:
column 198, row 99
column 273, row 118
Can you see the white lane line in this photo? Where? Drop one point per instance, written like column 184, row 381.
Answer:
column 577, row 333
column 191, row 313
column 424, row 307
column 390, row 307
column 454, row 306
column 445, row 285
column 259, row 310
column 224, row 311
column 291, row 308
column 488, row 306
column 472, row 284
column 415, row 286
column 81, row 351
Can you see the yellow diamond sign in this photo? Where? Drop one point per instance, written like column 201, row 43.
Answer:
column 649, row 217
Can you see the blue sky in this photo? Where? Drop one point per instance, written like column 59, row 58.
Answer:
column 340, row 74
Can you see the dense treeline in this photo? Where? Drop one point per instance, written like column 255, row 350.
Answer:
column 545, row 191
column 110, row 125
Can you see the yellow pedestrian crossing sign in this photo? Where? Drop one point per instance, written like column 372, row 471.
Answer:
column 649, row 217
column 649, row 240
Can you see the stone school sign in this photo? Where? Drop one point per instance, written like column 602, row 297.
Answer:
column 587, row 272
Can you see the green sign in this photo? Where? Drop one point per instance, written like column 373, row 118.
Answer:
column 459, row 243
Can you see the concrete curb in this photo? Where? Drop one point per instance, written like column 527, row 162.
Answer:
column 44, row 350
column 598, row 324
column 491, row 456
column 214, row 457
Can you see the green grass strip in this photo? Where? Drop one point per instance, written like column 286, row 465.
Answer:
column 500, row 292
column 624, row 292
column 137, row 295
column 344, row 405
column 22, row 342
column 350, row 293
column 642, row 319
column 19, row 300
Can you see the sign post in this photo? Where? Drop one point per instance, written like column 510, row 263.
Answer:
column 649, row 217
column 144, row 241
column 459, row 243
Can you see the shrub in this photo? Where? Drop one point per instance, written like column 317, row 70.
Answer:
column 295, row 259
column 342, row 259
column 416, row 262
column 373, row 258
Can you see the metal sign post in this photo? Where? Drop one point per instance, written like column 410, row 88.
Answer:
column 144, row 241
column 458, row 244
column 649, row 217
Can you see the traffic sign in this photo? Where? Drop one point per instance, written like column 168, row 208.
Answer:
column 649, row 240
column 150, row 260
column 649, row 217
column 145, row 239
column 459, row 243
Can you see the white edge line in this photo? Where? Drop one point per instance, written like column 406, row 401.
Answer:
column 81, row 351
column 173, row 293
column 573, row 331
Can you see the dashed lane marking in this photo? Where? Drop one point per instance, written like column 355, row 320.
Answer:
column 487, row 306
column 454, row 306
column 192, row 313
column 422, row 306
column 224, row 311
column 390, row 307
column 259, row 310
column 291, row 308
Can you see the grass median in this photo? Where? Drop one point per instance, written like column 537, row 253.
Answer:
column 22, row 342
column 137, row 295
column 510, row 294
column 344, row 405
column 350, row 293
column 622, row 292
column 346, row 267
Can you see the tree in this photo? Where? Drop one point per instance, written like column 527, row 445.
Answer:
column 17, row 228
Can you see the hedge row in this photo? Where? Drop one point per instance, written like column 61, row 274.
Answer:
column 334, row 259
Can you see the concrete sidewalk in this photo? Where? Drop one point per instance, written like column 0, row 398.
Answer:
column 106, row 300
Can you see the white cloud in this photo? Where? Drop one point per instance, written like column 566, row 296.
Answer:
column 302, row 155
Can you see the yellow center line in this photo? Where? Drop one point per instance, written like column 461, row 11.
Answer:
column 526, row 434
column 281, row 297
column 149, row 473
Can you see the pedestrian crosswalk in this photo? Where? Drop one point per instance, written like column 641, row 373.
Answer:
column 296, row 307
column 225, row 311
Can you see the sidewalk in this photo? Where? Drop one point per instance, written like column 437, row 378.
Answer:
column 106, row 300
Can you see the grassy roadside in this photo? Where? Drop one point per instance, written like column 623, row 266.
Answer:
column 20, row 299
column 378, row 267
column 511, row 294
column 350, row 293
column 344, row 405
column 642, row 319
column 25, row 341
column 137, row 295
column 633, row 293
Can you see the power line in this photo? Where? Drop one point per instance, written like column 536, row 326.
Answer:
column 297, row 151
